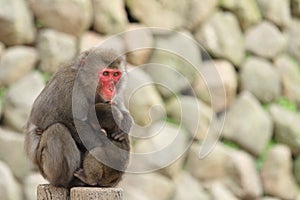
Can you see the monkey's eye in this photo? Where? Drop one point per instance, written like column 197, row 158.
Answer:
column 117, row 74
column 105, row 73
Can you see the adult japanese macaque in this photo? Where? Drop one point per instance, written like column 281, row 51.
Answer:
column 77, row 132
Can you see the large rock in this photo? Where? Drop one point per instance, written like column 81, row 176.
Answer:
column 174, row 62
column 167, row 143
column 2, row 47
column 16, row 23
column 242, row 178
column 265, row 40
column 109, row 17
column 12, row 152
column 296, row 7
column 293, row 32
column 287, row 127
column 252, row 136
column 276, row 173
column 296, row 168
column 199, row 11
column 260, row 77
column 217, row 84
column 222, row 37
column 154, row 186
column 151, row 12
column 187, row 187
column 219, row 191
column 30, row 185
column 15, row 63
column 210, row 168
column 139, row 43
column 19, row 99
column 92, row 39
column 289, row 71
column 247, row 11
column 69, row 16
column 192, row 114
column 277, row 11
column 55, row 48
column 10, row 189
column 141, row 97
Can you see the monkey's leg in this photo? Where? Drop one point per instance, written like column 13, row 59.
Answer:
column 92, row 170
column 57, row 155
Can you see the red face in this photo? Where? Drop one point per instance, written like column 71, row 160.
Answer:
column 108, row 78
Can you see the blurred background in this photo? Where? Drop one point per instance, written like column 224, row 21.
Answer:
column 241, row 62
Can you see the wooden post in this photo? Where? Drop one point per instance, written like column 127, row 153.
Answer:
column 49, row 192
column 88, row 193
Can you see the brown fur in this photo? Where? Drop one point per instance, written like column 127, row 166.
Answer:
column 52, row 140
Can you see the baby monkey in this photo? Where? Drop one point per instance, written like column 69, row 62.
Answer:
column 114, row 152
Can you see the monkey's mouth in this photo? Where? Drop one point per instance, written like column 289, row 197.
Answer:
column 108, row 92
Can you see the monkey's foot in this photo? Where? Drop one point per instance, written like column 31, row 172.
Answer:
column 119, row 135
column 79, row 173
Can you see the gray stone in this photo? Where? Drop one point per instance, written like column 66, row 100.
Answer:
column 276, row 173
column 55, row 48
column 174, row 62
column 296, row 7
column 296, row 168
column 218, row 191
column 265, row 40
column 289, row 71
column 193, row 114
column 69, row 16
column 16, row 23
column 242, row 177
column 9, row 188
column 154, row 186
column 12, row 152
column 222, row 37
column 152, row 12
column 260, row 77
column 199, row 11
column 2, row 48
column 187, row 187
column 19, row 99
column 109, row 17
column 16, row 62
column 90, row 39
column 210, row 168
column 293, row 32
column 141, row 97
column 269, row 198
column 228, row 4
column 277, row 11
column 139, row 42
column 30, row 185
column 161, row 136
column 217, row 84
column 252, row 136
column 248, row 13
column 287, row 127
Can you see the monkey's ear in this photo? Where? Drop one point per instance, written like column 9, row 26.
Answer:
column 80, row 61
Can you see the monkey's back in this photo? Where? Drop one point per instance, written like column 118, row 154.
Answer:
column 54, row 104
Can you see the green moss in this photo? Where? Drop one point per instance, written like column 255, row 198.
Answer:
column 46, row 76
column 287, row 104
column 230, row 144
column 39, row 24
column 259, row 161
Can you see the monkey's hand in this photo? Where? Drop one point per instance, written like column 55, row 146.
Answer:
column 124, row 127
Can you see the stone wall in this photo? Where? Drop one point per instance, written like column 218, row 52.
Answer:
column 244, row 92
